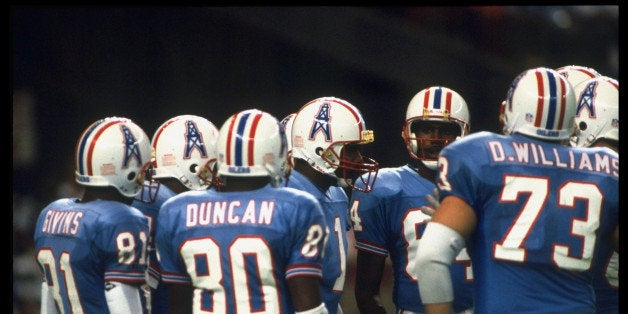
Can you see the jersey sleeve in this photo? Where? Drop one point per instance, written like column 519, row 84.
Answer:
column 172, row 266
column 460, row 177
column 309, row 233
column 367, row 218
column 123, row 242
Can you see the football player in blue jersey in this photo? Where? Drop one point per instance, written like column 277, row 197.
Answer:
column 92, row 250
column 597, row 118
column 531, row 209
column 388, row 222
column 251, row 245
column 184, row 149
column 326, row 134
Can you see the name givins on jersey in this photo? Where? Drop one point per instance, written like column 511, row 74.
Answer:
column 62, row 222
column 530, row 153
column 229, row 212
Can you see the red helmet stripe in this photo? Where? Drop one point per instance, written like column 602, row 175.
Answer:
column 230, row 133
column 355, row 114
column 448, row 98
column 426, row 99
column 90, row 150
column 563, row 100
column 540, row 98
column 251, row 144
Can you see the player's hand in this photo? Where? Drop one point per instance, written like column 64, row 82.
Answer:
column 433, row 201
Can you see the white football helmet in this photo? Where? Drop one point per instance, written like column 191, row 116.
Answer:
column 436, row 103
column 252, row 143
column 320, row 131
column 115, row 152
column 185, row 149
column 286, row 122
column 597, row 110
column 541, row 104
column 577, row 74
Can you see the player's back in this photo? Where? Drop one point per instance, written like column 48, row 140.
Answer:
column 539, row 206
column 334, row 203
column 160, row 193
column 389, row 221
column 81, row 245
column 241, row 246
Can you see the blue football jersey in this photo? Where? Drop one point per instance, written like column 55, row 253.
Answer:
column 239, row 248
column 606, row 281
column 159, row 293
column 388, row 221
column 80, row 246
column 335, row 205
column 543, row 210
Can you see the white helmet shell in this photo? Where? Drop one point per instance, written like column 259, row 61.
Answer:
column 597, row 110
column 540, row 104
column 252, row 143
column 577, row 74
column 286, row 122
column 185, row 149
column 435, row 103
column 115, row 152
column 321, row 129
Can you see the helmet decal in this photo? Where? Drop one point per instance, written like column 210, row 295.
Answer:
column 131, row 151
column 553, row 103
column 84, row 150
column 194, row 139
column 252, row 143
column 237, row 158
column 321, row 123
column 586, row 99
column 438, row 94
column 80, row 151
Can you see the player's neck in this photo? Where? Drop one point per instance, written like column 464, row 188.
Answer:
column 322, row 181
column 238, row 184
column 425, row 172
column 104, row 193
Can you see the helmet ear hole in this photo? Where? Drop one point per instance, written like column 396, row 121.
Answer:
column 193, row 168
column 318, row 151
column 131, row 176
column 582, row 125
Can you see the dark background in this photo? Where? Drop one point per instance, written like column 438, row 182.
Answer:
column 151, row 63
column 72, row 65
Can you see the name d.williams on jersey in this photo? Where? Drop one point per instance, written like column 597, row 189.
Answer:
column 229, row 212
column 536, row 154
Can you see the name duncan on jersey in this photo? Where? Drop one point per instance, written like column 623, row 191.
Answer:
column 530, row 153
column 62, row 222
column 229, row 212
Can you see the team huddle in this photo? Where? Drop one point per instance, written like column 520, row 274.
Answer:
column 253, row 216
